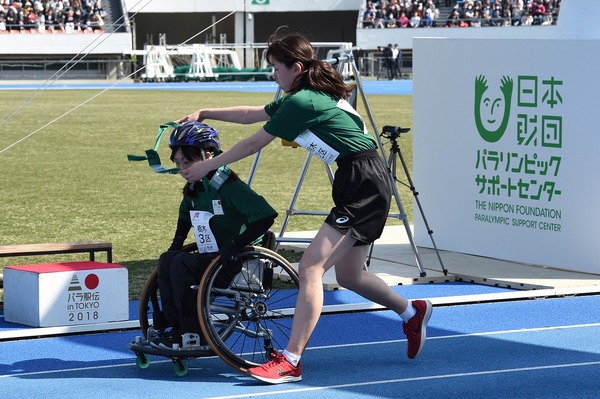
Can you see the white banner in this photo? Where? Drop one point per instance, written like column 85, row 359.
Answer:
column 505, row 149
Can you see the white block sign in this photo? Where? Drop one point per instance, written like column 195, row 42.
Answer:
column 64, row 294
column 505, row 149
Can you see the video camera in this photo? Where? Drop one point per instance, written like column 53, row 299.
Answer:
column 393, row 132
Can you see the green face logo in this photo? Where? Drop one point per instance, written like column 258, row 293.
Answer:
column 491, row 115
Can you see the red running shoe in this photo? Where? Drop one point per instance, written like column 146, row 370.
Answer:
column 416, row 328
column 277, row 371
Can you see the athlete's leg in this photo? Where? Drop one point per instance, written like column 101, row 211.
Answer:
column 186, row 270
column 350, row 274
column 169, row 308
column 327, row 248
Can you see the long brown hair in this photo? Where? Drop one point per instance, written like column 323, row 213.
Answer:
column 318, row 75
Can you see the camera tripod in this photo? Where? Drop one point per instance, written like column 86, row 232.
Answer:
column 392, row 133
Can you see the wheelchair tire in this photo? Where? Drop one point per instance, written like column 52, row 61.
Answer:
column 251, row 318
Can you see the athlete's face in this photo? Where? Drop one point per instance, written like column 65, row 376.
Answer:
column 284, row 75
column 181, row 162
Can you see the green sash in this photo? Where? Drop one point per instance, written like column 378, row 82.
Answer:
column 152, row 155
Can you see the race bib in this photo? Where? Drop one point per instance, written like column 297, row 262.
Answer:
column 205, row 239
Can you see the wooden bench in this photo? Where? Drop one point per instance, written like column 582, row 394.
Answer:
column 90, row 247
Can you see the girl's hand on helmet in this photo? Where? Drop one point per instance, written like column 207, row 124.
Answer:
column 191, row 117
column 195, row 172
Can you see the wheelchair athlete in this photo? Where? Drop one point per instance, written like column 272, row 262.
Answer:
column 226, row 215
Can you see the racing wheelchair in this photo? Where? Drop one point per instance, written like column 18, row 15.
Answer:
column 243, row 321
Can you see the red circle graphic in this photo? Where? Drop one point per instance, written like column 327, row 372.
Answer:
column 91, row 281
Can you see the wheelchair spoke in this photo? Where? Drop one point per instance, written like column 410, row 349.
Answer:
column 248, row 320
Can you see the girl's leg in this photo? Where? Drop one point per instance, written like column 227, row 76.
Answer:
column 169, row 308
column 327, row 248
column 186, row 270
column 350, row 274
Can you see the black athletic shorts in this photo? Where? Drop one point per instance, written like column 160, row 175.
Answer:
column 362, row 194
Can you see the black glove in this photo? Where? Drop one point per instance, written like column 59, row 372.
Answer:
column 230, row 259
column 177, row 244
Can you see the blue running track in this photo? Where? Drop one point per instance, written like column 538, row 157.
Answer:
column 533, row 349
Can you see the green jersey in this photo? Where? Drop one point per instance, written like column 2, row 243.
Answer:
column 326, row 126
column 234, row 205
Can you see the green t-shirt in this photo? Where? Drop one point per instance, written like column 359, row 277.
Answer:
column 234, row 205
column 332, row 121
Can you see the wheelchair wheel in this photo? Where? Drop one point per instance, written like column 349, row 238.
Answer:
column 250, row 318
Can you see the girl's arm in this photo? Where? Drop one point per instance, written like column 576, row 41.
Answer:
column 241, row 114
column 181, row 233
column 241, row 150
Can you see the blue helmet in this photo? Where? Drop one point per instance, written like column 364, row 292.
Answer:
column 195, row 134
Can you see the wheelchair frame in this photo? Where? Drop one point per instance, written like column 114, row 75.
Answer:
column 245, row 322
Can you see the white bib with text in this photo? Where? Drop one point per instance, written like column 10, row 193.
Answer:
column 205, row 239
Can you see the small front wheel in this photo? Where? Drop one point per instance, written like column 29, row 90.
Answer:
column 180, row 368
column 142, row 361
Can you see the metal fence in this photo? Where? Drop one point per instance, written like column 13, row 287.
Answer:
column 369, row 65
column 92, row 69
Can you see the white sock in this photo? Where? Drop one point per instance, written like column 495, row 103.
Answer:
column 409, row 313
column 293, row 359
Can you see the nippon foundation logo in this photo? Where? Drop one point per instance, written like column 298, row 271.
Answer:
column 518, row 165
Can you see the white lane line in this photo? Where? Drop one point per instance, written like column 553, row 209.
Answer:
column 459, row 335
column 525, row 330
column 79, row 369
column 412, row 379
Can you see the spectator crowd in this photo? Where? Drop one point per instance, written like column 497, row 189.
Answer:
column 463, row 13
column 64, row 16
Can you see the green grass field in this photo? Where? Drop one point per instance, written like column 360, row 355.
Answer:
column 71, row 181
